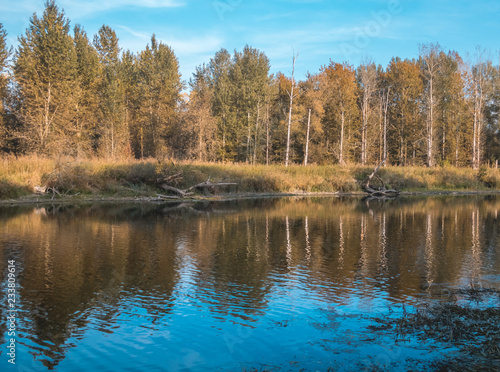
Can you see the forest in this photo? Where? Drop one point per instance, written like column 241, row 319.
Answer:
column 64, row 93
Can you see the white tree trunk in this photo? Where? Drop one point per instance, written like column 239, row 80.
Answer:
column 307, row 138
column 290, row 113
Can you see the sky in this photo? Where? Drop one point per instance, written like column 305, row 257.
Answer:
column 317, row 30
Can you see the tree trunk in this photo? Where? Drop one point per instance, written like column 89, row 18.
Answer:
column 430, row 157
column 307, row 138
column 267, row 135
column 364, row 129
column 248, row 139
column 386, row 109
column 290, row 114
column 256, row 135
column 341, row 156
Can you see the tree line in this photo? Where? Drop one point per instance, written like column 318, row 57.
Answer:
column 62, row 93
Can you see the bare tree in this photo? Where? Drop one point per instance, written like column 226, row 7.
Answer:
column 294, row 58
column 307, row 138
column 429, row 53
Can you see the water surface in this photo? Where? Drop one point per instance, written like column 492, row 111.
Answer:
column 272, row 284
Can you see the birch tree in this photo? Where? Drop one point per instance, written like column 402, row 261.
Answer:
column 290, row 108
column 431, row 65
column 367, row 79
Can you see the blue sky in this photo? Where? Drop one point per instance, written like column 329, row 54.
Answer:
column 319, row 30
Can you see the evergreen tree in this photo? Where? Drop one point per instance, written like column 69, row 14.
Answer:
column 159, row 87
column 112, row 135
column 45, row 72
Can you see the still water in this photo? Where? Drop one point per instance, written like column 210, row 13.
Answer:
column 269, row 285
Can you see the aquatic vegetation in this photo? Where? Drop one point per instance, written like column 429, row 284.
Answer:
column 474, row 331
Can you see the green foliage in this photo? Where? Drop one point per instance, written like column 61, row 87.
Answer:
column 71, row 97
column 157, row 95
column 45, row 71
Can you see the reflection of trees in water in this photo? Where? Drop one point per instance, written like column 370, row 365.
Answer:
column 76, row 265
column 82, row 263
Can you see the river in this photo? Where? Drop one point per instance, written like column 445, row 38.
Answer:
column 282, row 284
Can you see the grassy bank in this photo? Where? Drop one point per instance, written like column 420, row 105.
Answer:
column 134, row 178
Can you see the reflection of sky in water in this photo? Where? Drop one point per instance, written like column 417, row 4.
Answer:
column 280, row 286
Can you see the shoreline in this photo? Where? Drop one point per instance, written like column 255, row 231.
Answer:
column 98, row 199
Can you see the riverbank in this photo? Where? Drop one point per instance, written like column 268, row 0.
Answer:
column 134, row 180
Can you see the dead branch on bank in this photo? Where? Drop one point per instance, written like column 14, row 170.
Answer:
column 206, row 187
column 378, row 192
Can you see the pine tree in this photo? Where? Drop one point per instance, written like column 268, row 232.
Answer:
column 159, row 87
column 45, row 72
column 112, row 135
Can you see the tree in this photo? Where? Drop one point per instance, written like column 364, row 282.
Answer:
column 5, row 53
column 406, row 88
column 310, row 108
column 367, row 80
column 479, row 77
column 220, row 84
column 451, row 118
column 45, row 72
column 341, row 110
column 201, row 124
column 290, row 109
column 112, row 136
column 159, row 86
column 249, row 77
column 431, row 65
column 86, row 94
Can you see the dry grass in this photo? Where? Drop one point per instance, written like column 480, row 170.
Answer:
column 132, row 177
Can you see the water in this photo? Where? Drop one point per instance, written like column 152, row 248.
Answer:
column 274, row 284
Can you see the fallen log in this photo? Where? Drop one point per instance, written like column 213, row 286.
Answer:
column 175, row 190
column 206, row 187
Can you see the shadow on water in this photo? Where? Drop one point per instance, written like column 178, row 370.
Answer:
column 276, row 283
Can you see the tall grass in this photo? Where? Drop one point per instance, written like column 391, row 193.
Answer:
column 18, row 177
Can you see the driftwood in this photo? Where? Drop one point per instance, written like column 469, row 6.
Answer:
column 207, row 187
column 40, row 189
column 379, row 192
